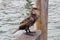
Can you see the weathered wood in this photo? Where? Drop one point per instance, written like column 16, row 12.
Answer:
column 33, row 36
column 41, row 23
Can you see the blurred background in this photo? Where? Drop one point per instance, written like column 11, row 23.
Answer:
column 12, row 12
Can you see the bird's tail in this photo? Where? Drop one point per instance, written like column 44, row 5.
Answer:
column 15, row 31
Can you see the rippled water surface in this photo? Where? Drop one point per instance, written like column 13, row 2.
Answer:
column 54, row 20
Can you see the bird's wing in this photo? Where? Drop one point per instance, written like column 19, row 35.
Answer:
column 25, row 20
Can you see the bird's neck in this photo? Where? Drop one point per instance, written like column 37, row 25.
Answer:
column 34, row 16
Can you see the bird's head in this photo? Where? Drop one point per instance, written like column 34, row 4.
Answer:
column 35, row 11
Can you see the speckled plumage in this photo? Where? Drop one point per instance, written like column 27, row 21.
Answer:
column 29, row 21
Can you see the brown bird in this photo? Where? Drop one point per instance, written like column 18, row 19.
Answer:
column 29, row 21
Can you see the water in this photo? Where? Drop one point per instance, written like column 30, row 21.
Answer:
column 12, row 12
column 54, row 20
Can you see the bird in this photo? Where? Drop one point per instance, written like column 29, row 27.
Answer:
column 29, row 21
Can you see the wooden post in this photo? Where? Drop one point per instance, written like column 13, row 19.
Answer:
column 41, row 23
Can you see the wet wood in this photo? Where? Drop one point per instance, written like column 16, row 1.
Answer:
column 41, row 23
column 32, row 36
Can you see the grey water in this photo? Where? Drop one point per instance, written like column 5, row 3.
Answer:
column 54, row 20
column 12, row 12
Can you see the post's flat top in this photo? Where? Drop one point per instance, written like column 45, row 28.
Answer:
column 30, row 36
